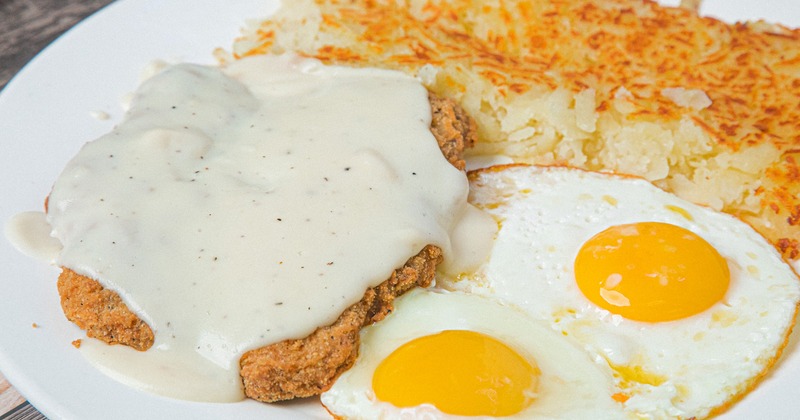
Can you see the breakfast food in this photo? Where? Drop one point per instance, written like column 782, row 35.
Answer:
column 571, row 83
column 702, row 108
column 104, row 316
column 445, row 355
column 236, row 216
column 687, row 307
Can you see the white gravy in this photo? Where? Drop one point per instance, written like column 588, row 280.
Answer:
column 238, row 207
column 29, row 232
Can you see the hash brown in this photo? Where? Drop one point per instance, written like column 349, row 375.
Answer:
column 702, row 108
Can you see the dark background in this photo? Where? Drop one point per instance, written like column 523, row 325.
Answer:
column 28, row 26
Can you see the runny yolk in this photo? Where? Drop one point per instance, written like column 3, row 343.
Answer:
column 651, row 272
column 460, row 372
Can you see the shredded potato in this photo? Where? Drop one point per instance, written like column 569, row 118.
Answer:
column 704, row 109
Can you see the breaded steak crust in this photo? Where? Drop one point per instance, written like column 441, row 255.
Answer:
column 306, row 367
column 101, row 312
column 291, row 368
column 453, row 129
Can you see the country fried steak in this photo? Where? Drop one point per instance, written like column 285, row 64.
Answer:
column 291, row 368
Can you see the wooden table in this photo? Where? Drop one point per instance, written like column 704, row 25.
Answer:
column 9, row 397
column 26, row 27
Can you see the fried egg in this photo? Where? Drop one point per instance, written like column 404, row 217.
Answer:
column 444, row 355
column 687, row 307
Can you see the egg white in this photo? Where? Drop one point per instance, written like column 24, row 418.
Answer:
column 686, row 367
column 571, row 385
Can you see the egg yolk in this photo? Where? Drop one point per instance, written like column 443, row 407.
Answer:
column 460, row 372
column 651, row 272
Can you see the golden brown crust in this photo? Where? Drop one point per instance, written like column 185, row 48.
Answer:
column 101, row 312
column 281, row 371
column 306, row 367
column 454, row 130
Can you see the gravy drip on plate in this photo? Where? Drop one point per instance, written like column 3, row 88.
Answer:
column 238, row 207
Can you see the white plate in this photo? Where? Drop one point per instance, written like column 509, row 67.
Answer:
column 44, row 119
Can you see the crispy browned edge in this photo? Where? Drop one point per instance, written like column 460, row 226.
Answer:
column 101, row 312
column 291, row 368
column 306, row 367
